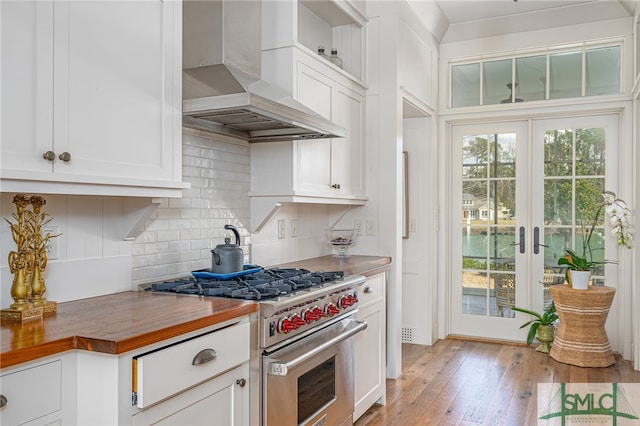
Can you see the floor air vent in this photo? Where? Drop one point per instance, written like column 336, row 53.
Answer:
column 407, row 335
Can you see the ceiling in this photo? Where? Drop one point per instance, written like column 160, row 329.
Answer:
column 459, row 11
column 469, row 19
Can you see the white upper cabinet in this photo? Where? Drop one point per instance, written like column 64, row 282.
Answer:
column 329, row 171
column 331, row 167
column 91, row 97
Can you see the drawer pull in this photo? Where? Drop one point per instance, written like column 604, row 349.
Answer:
column 204, row 356
column 3, row 401
column 241, row 382
column 368, row 289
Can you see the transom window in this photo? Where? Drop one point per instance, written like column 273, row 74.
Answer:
column 574, row 73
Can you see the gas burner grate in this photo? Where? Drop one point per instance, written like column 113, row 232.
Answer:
column 261, row 285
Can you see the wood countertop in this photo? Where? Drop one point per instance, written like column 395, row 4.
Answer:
column 114, row 324
column 121, row 322
column 354, row 265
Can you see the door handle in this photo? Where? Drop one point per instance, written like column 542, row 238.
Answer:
column 536, row 240
column 521, row 236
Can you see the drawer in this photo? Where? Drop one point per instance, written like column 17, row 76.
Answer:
column 372, row 291
column 169, row 370
column 31, row 393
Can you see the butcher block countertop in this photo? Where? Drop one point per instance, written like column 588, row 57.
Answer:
column 354, row 265
column 122, row 322
column 114, row 324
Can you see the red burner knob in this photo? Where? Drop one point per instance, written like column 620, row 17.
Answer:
column 309, row 316
column 330, row 310
column 344, row 302
column 285, row 325
column 318, row 312
column 354, row 299
column 297, row 320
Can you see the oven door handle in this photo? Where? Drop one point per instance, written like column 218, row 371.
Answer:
column 281, row 368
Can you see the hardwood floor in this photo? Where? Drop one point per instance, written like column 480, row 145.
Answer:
column 458, row 382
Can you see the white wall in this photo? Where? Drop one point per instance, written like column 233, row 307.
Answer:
column 420, row 250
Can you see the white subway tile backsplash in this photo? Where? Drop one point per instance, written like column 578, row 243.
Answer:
column 183, row 232
column 167, row 235
column 177, row 203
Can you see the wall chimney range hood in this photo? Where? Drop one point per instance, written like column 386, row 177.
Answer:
column 222, row 90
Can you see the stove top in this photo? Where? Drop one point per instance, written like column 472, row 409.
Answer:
column 264, row 284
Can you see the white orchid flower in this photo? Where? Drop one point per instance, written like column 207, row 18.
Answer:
column 609, row 197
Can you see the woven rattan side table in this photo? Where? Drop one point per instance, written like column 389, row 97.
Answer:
column 581, row 338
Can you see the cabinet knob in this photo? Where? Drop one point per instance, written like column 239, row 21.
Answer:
column 65, row 156
column 336, row 186
column 241, row 382
column 49, row 156
column 368, row 289
column 204, row 356
column 3, row 400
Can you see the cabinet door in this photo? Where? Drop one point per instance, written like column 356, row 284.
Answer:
column 98, row 80
column 347, row 154
column 114, row 100
column 26, row 29
column 32, row 393
column 315, row 91
column 220, row 401
column 369, row 361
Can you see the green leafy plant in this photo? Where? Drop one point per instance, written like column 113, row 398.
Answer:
column 579, row 263
column 548, row 317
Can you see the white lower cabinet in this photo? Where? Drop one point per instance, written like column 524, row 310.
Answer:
column 370, row 347
column 219, row 401
column 203, row 380
column 200, row 378
column 39, row 393
column 205, row 377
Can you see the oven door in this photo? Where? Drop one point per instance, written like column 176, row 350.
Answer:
column 310, row 382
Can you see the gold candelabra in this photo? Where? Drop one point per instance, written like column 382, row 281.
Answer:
column 28, row 262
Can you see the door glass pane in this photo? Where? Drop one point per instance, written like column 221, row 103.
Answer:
column 488, row 224
column 465, row 85
column 574, row 181
column 603, row 71
column 558, row 153
column 590, row 152
column 566, row 75
column 497, row 82
column 531, row 75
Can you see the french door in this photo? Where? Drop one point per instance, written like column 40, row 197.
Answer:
column 520, row 193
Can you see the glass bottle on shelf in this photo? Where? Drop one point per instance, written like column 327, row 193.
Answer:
column 321, row 53
column 334, row 58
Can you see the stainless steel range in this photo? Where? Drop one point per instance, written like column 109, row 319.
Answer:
column 306, row 327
